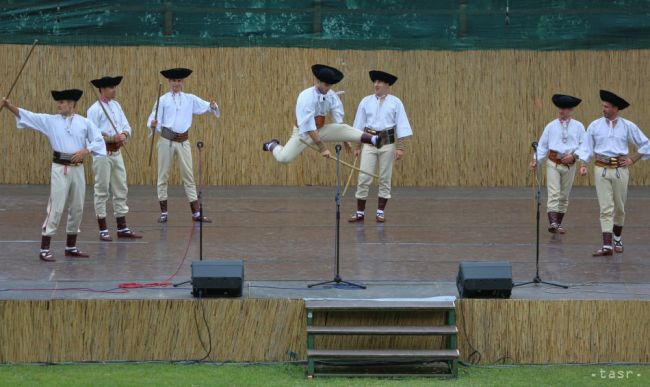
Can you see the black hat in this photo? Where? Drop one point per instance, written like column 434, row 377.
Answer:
column 106, row 81
column 376, row 75
column 327, row 74
column 565, row 101
column 614, row 99
column 67, row 95
column 177, row 73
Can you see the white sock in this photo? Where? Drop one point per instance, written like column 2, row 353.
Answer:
column 380, row 212
column 617, row 238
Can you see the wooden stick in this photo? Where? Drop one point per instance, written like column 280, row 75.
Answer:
column 108, row 117
column 342, row 162
column 153, row 135
column 20, row 72
column 347, row 184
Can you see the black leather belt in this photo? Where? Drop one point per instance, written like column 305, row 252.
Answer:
column 64, row 159
column 387, row 135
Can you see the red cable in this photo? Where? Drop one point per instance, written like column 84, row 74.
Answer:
column 167, row 281
column 124, row 286
column 110, row 291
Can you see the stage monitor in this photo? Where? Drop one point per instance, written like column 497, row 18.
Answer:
column 484, row 279
column 224, row 278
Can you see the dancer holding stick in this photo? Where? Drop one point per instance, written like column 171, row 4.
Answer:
column 109, row 171
column 313, row 104
column 177, row 110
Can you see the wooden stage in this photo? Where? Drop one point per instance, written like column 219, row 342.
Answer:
column 73, row 310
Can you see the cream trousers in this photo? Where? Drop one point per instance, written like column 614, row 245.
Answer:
column 68, row 186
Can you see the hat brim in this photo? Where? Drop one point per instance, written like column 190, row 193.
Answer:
column 177, row 73
column 327, row 74
column 107, row 81
column 565, row 101
column 383, row 76
column 67, row 95
column 614, row 99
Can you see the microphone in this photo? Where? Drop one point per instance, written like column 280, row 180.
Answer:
column 534, row 145
column 199, row 144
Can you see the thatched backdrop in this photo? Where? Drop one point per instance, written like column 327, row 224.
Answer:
column 474, row 113
column 519, row 331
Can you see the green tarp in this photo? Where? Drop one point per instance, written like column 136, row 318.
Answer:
column 352, row 24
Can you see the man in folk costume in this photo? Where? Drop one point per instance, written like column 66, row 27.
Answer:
column 174, row 121
column 607, row 141
column 109, row 171
column 313, row 104
column 72, row 138
column 380, row 114
column 558, row 144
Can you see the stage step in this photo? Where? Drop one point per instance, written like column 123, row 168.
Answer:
column 359, row 358
column 383, row 330
column 361, row 305
column 385, row 354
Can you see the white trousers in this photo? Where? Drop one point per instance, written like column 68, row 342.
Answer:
column 371, row 157
column 328, row 133
column 67, row 187
column 110, row 179
column 612, row 195
column 167, row 151
column 559, row 181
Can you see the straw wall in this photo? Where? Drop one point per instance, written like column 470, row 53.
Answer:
column 474, row 113
column 567, row 331
column 523, row 331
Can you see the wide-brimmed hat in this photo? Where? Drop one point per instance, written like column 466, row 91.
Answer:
column 106, row 81
column 327, row 74
column 565, row 101
column 67, row 95
column 376, row 75
column 177, row 73
column 614, row 99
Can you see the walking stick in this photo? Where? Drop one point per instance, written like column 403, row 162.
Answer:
column 347, row 184
column 110, row 121
column 342, row 162
column 20, row 72
column 153, row 134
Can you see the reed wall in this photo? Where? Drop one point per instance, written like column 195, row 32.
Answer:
column 474, row 113
column 520, row 331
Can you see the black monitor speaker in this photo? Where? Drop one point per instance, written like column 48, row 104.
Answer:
column 224, row 278
column 484, row 279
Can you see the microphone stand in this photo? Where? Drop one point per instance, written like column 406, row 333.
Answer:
column 538, row 197
column 337, row 277
column 199, row 146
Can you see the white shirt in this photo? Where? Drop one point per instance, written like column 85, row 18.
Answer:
column 97, row 116
column 311, row 103
column 176, row 109
column 611, row 141
column 66, row 134
column 380, row 115
column 561, row 139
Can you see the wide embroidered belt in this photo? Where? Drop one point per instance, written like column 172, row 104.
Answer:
column 387, row 135
column 607, row 161
column 556, row 157
column 64, row 159
column 173, row 136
